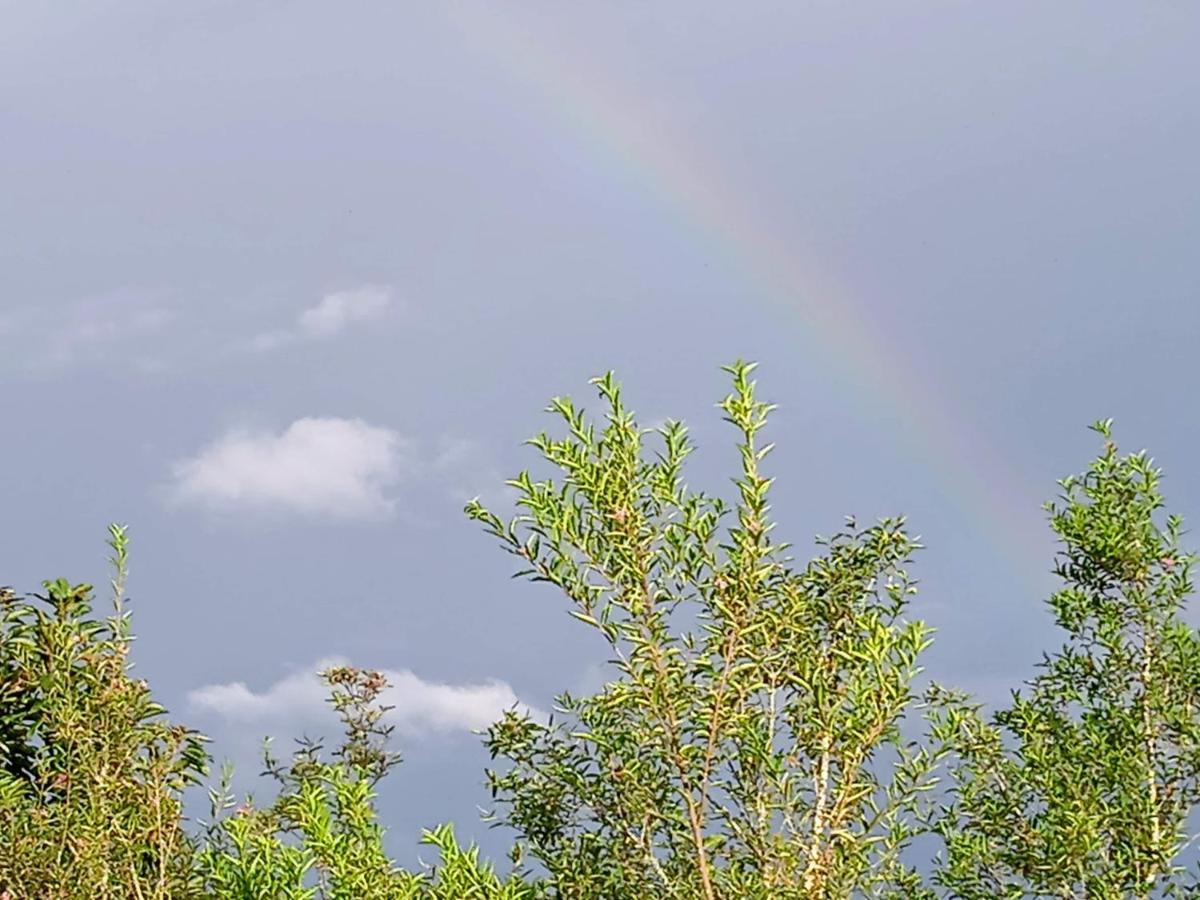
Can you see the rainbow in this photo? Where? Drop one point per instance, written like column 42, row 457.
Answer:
column 615, row 121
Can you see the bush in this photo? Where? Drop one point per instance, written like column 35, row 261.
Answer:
column 91, row 772
column 320, row 838
column 1083, row 786
column 750, row 746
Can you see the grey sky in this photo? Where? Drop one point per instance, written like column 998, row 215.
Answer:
column 282, row 284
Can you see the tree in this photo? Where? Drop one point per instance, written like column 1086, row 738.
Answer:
column 1083, row 785
column 320, row 839
column 91, row 772
column 750, row 744
column 753, row 742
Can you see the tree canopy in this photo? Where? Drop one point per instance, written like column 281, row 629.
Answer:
column 766, row 732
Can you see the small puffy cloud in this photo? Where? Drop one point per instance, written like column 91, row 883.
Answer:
column 420, row 707
column 334, row 314
column 338, row 310
column 316, row 466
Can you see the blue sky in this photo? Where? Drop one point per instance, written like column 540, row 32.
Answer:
column 281, row 285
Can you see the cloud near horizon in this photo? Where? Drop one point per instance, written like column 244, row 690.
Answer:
column 335, row 313
column 420, row 707
column 316, row 466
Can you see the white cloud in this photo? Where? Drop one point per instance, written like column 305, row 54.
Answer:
column 420, row 707
column 316, row 466
column 334, row 314
column 95, row 325
column 123, row 325
column 338, row 310
column 270, row 340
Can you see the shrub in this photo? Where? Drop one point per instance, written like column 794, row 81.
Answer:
column 320, row 837
column 91, row 772
column 750, row 745
column 1082, row 787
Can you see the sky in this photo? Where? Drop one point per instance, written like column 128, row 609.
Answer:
column 283, row 285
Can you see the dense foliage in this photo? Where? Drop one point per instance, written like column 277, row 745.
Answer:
column 763, row 734
column 1083, row 785
column 738, row 753
column 91, row 773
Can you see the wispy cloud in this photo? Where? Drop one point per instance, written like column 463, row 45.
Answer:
column 316, row 466
column 334, row 314
column 121, row 325
column 420, row 707
column 467, row 470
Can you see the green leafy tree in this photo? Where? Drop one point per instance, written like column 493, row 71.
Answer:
column 1083, row 785
column 754, row 741
column 320, row 838
column 91, row 772
column 750, row 744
